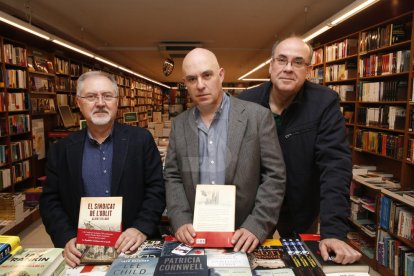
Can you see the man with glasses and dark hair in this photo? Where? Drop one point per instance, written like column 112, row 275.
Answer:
column 312, row 136
column 104, row 159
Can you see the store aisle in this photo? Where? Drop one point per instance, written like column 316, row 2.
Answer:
column 35, row 236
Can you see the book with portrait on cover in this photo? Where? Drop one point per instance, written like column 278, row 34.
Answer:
column 99, row 228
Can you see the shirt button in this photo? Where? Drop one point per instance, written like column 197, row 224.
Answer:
column 103, row 158
column 106, row 192
column 211, row 142
column 213, row 182
column 104, row 171
column 212, row 162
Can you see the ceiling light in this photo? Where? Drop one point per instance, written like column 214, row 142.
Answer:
column 11, row 20
column 257, row 68
column 341, row 16
column 107, row 62
column 352, row 9
column 65, row 44
column 23, row 25
column 255, row 79
column 315, row 33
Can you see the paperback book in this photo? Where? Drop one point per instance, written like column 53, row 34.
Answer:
column 99, row 228
column 33, row 262
column 190, row 265
column 133, row 266
column 267, row 257
column 330, row 266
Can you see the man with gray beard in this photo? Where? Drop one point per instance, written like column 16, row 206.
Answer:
column 104, row 159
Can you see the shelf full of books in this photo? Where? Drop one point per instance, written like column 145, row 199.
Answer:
column 372, row 72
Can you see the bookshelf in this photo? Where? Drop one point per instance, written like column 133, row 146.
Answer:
column 15, row 118
column 372, row 71
column 36, row 77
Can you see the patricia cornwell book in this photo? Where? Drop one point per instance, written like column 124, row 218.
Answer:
column 99, row 228
column 194, row 265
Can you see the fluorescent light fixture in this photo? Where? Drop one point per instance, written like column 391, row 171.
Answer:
column 315, row 33
column 351, row 11
column 341, row 16
column 11, row 20
column 107, row 62
column 234, row 88
column 255, row 79
column 76, row 49
column 23, row 25
column 253, row 86
column 255, row 69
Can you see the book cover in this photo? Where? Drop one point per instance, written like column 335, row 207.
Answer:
column 99, row 228
column 170, row 246
column 5, row 249
column 194, row 265
column 330, row 266
column 274, row 272
column 13, row 241
column 133, row 266
column 214, row 215
column 39, row 144
column 226, row 258
column 267, row 257
column 87, row 270
column 34, row 261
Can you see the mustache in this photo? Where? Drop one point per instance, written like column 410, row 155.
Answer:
column 100, row 110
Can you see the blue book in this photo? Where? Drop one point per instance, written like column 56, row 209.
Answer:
column 133, row 266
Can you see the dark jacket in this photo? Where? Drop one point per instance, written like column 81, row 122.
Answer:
column 317, row 157
column 136, row 176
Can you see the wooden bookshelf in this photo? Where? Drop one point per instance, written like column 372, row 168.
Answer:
column 376, row 100
column 36, row 77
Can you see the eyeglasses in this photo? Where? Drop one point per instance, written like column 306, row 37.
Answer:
column 93, row 98
column 297, row 63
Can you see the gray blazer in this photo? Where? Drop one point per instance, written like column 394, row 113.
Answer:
column 255, row 166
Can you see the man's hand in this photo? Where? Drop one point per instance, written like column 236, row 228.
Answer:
column 130, row 240
column 244, row 241
column 185, row 234
column 345, row 254
column 71, row 253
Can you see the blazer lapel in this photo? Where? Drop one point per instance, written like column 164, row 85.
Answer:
column 121, row 138
column 74, row 153
column 235, row 136
column 191, row 138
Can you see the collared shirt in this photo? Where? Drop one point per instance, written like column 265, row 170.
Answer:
column 212, row 143
column 97, row 166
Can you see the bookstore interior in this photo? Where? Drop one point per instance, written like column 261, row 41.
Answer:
column 366, row 57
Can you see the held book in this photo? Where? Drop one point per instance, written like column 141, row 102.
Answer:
column 99, row 228
column 33, row 262
column 214, row 215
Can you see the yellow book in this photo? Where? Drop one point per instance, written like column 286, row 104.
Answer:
column 272, row 242
column 14, row 241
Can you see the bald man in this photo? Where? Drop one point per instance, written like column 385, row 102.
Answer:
column 223, row 140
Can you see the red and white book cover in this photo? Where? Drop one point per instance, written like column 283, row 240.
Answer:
column 99, row 228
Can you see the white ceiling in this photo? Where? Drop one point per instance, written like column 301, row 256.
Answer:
column 128, row 32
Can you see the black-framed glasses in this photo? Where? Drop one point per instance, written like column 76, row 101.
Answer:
column 297, row 63
column 93, row 98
